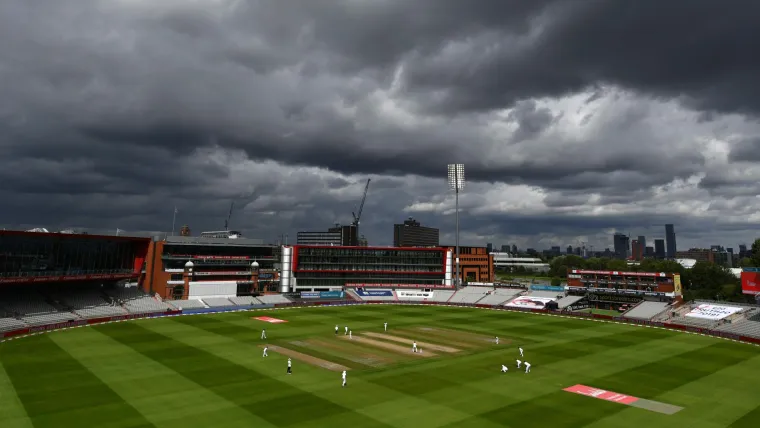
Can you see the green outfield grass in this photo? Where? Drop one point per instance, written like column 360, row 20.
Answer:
column 208, row 371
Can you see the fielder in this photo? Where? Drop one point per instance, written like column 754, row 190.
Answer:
column 527, row 367
column 290, row 367
column 385, row 326
column 497, row 340
column 265, row 352
column 519, row 363
column 521, row 352
column 346, row 331
column 504, row 368
column 349, row 335
column 336, row 329
column 414, row 346
column 344, row 378
column 263, row 334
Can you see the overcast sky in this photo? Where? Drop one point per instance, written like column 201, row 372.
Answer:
column 574, row 119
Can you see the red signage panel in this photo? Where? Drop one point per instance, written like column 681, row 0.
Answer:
column 36, row 279
column 751, row 282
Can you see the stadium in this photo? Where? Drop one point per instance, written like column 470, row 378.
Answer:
column 108, row 331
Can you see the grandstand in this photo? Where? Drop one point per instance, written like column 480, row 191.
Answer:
column 569, row 301
column 135, row 301
column 271, row 299
column 217, row 302
column 646, row 310
column 471, row 294
column 186, row 304
column 500, row 296
column 245, row 301
column 442, row 295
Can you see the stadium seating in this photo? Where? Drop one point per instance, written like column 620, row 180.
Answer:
column 271, row 299
column 49, row 318
column 569, row 300
column 646, row 310
column 8, row 324
column 245, row 300
column 545, row 294
column 470, row 294
column 88, row 304
column 500, row 296
column 694, row 322
column 186, row 304
column 442, row 295
column 135, row 301
column 217, row 302
column 378, row 298
column 742, row 326
column 31, row 307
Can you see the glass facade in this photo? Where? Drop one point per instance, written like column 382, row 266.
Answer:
column 45, row 255
column 338, row 266
column 175, row 256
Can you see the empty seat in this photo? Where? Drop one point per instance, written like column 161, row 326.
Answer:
column 646, row 310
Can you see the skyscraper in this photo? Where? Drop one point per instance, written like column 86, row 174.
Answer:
column 643, row 241
column 620, row 244
column 670, row 238
column 637, row 250
column 659, row 248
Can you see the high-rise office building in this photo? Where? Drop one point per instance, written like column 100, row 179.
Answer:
column 411, row 234
column 637, row 250
column 489, row 248
column 670, row 238
column 659, row 248
column 620, row 244
column 642, row 240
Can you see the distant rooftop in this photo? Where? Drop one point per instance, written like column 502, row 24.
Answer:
column 222, row 242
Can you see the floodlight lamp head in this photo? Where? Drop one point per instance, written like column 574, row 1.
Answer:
column 456, row 176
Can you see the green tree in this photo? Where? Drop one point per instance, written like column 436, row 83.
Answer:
column 556, row 281
column 747, row 262
column 756, row 252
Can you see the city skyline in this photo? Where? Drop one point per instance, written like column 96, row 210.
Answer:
column 118, row 112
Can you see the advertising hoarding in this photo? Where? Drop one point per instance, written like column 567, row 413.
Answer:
column 414, row 295
column 374, row 293
column 750, row 282
column 712, row 312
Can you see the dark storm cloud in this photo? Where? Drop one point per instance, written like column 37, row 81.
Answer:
column 745, row 150
column 116, row 111
column 696, row 49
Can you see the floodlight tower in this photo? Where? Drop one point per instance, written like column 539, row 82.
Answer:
column 456, row 183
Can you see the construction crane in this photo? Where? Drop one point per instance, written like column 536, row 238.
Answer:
column 358, row 214
column 229, row 216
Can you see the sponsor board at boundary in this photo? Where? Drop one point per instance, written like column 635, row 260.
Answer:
column 556, row 288
column 367, row 285
column 712, row 312
column 405, row 294
column 581, row 315
column 529, row 302
column 376, row 293
column 322, row 294
column 33, row 279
